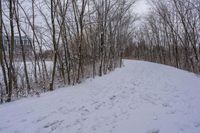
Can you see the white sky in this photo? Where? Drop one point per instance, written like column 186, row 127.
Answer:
column 141, row 7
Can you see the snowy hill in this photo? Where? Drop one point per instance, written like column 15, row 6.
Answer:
column 141, row 97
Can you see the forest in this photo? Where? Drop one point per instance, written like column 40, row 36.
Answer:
column 47, row 44
column 170, row 35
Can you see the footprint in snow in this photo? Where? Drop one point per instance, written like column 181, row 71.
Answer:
column 112, row 98
column 134, row 84
column 172, row 112
column 23, row 120
column 53, row 125
column 196, row 124
column 166, row 105
column 42, row 118
column 97, row 107
column 84, row 110
column 153, row 131
column 176, row 96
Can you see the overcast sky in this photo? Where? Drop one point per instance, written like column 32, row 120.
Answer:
column 141, row 7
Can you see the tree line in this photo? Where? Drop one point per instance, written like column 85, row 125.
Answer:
column 170, row 34
column 70, row 40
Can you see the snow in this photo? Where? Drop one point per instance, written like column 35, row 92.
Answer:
column 141, row 97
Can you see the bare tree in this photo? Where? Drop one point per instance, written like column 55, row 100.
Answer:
column 171, row 34
column 78, row 39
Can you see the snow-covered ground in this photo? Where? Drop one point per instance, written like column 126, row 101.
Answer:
column 141, row 97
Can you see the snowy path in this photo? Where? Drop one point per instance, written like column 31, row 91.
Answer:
column 141, row 97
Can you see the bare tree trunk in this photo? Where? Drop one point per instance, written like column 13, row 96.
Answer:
column 2, row 51
column 22, row 47
column 79, row 16
column 11, row 52
column 54, row 44
column 33, row 42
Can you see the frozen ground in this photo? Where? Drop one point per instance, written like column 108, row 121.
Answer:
column 141, row 97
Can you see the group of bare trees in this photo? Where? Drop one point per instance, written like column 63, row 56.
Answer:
column 70, row 40
column 170, row 34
